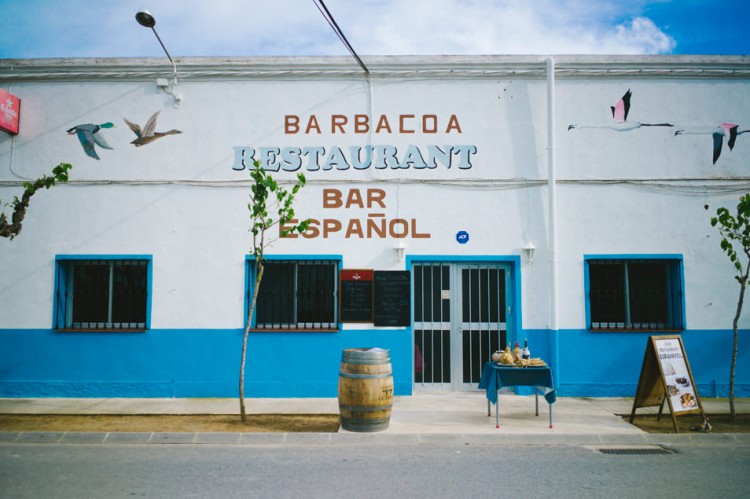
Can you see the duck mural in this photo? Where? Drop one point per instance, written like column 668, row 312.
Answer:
column 90, row 135
column 147, row 134
column 728, row 131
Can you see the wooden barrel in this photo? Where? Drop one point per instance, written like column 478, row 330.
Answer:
column 365, row 389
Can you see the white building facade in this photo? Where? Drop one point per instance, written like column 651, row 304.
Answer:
column 564, row 200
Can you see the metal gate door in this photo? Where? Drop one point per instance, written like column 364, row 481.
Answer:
column 459, row 320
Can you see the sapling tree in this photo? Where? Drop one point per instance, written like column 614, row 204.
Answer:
column 12, row 228
column 735, row 230
column 270, row 205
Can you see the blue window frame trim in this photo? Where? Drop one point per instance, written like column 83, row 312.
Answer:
column 58, row 312
column 250, row 282
column 677, row 284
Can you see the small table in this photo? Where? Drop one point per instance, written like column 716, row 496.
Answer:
column 496, row 376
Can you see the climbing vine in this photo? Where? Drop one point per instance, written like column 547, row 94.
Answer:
column 13, row 228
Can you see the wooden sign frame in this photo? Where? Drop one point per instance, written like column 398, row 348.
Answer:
column 666, row 374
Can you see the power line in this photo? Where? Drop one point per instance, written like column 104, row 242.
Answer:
column 335, row 27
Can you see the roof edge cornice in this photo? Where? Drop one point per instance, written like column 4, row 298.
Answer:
column 340, row 67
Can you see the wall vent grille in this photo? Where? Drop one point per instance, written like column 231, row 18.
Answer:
column 635, row 451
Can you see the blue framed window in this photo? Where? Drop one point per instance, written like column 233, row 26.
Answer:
column 296, row 294
column 102, row 293
column 634, row 293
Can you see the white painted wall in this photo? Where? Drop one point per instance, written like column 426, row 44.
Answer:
column 196, row 226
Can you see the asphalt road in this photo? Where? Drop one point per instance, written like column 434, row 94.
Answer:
column 354, row 471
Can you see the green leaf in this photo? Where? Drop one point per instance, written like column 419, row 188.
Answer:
column 734, row 228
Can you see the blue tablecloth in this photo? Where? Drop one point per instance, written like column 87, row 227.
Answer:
column 496, row 376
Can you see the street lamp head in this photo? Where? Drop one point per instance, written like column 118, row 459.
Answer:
column 145, row 18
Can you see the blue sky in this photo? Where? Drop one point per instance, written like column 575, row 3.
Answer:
column 107, row 28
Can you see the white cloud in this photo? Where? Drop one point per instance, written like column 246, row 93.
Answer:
column 107, row 28
column 505, row 27
column 641, row 34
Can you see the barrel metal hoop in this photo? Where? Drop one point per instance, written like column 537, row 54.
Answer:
column 354, row 356
column 359, row 408
column 366, row 425
column 366, row 362
column 365, row 376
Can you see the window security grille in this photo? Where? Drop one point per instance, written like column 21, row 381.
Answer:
column 635, row 294
column 102, row 294
column 298, row 295
column 432, row 323
column 483, row 322
column 459, row 320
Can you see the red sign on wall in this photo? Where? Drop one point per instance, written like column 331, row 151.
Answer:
column 10, row 108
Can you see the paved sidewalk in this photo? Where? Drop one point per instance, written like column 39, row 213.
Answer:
column 424, row 418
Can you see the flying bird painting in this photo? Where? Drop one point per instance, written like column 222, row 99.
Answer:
column 728, row 131
column 620, row 117
column 89, row 135
column 148, row 135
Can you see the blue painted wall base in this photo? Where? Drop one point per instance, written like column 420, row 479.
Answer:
column 205, row 362
column 186, row 363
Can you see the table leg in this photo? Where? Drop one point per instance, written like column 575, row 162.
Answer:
column 536, row 399
column 488, row 408
column 550, row 415
column 497, row 411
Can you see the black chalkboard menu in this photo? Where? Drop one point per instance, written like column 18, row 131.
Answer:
column 355, row 293
column 392, row 291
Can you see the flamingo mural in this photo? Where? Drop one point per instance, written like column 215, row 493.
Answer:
column 620, row 118
column 728, row 131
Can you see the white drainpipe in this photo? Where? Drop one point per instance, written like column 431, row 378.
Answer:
column 552, row 206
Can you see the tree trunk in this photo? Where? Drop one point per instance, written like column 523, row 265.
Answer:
column 735, row 343
column 258, row 276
